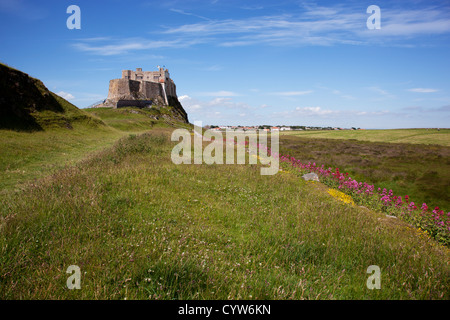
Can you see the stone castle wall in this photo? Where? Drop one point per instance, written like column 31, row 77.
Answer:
column 152, row 90
column 122, row 88
column 144, row 87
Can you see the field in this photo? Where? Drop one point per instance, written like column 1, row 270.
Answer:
column 141, row 227
column 417, row 170
column 416, row 136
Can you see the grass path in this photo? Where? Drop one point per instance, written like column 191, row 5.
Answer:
column 28, row 156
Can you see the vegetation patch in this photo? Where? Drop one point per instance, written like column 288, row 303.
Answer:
column 141, row 227
column 417, row 170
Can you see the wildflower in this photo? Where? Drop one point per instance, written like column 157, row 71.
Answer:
column 404, row 206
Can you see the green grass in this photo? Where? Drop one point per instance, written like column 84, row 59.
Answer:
column 415, row 136
column 140, row 227
column 68, row 117
column 25, row 156
column 28, row 156
column 134, row 119
column 27, row 105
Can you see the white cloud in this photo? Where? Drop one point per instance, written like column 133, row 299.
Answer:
column 344, row 96
column 319, row 112
column 65, row 95
column 415, row 22
column 379, row 91
column 312, row 26
column 423, row 90
column 215, row 67
column 122, row 46
column 189, row 14
column 197, row 105
column 382, row 94
column 442, row 109
column 336, row 24
column 190, row 104
column 313, row 111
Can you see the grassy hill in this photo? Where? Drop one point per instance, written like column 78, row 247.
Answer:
column 135, row 120
column 141, row 227
column 31, row 155
column 27, row 105
column 41, row 132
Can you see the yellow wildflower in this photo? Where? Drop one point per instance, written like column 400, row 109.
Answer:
column 341, row 196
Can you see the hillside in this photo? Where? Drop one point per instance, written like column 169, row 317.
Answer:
column 141, row 227
column 26, row 156
column 41, row 132
column 27, row 105
column 132, row 119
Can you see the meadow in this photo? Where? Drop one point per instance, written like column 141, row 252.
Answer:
column 420, row 171
column 415, row 136
column 141, row 227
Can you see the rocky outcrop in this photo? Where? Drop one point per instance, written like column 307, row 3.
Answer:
column 27, row 105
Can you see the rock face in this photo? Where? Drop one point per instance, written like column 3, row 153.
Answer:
column 21, row 95
column 144, row 89
column 27, row 105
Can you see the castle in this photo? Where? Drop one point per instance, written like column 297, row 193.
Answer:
column 142, row 89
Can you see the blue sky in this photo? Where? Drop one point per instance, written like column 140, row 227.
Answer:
column 248, row 62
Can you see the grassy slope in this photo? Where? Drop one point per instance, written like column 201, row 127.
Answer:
column 69, row 117
column 28, row 156
column 25, row 156
column 28, row 105
column 141, row 227
column 416, row 136
column 134, row 119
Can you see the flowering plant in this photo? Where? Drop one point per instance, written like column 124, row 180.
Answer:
column 436, row 222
